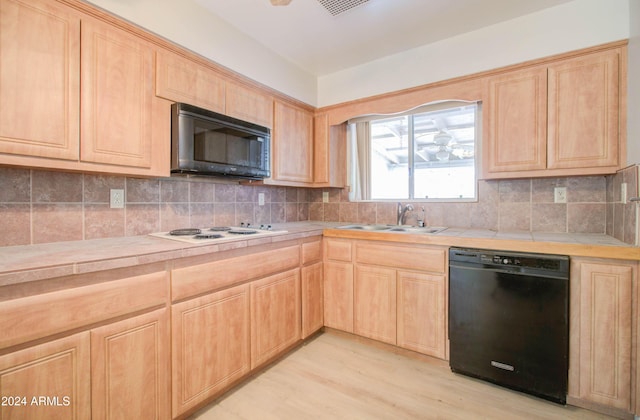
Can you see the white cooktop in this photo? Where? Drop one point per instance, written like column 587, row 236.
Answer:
column 219, row 234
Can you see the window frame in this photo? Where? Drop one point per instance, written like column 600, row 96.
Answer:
column 430, row 107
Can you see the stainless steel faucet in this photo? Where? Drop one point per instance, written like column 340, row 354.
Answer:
column 402, row 212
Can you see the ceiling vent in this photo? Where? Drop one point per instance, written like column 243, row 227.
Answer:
column 335, row 7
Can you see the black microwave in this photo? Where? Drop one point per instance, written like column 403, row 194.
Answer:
column 207, row 143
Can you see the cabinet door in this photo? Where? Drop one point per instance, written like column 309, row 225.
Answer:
column 210, row 345
column 422, row 313
column 321, row 150
column 374, row 294
column 248, row 105
column 312, row 297
column 291, row 146
column 275, row 315
column 584, row 103
column 47, row 381
column 338, row 295
column 39, row 79
column 181, row 80
column 517, row 121
column 129, row 368
column 117, row 97
column 600, row 347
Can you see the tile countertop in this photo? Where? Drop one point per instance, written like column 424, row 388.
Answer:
column 20, row 264
column 572, row 244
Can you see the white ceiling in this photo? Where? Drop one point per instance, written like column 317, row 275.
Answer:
column 305, row 33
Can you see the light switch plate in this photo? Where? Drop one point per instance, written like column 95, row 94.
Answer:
column 325, row 196
column 116, row 200
column 261, row 199
column 560, row 195
column 623, row 193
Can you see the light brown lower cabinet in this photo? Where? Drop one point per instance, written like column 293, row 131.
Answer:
column 374, row 296
column 422, row 315
column 392, row 292
column 275, row 315
column 210, row 343
column 338, row 295
column 47, row 381
column 129, row 368
column 311, row 279
column 601, row 332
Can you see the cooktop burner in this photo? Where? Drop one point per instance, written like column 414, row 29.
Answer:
column 243, row 231
column 185, row 232
column 220, row 229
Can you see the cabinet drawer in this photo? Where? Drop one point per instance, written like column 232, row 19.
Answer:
column 33, row 317
column 401, row 256
column 197, row 279
column 311, row 252
column 338, row 250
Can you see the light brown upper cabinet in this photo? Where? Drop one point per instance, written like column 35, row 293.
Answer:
column 119, row 108
column 557, row 119
column 39, row 79
column 329, row 153
column 584, row 108
column 77, row 94
column 180, row 79
column 517, row 129
column 249, row 105
column 291, row 146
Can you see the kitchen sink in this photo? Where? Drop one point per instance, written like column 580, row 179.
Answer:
column 432, row 230
column 367, row 227
column 427, row 230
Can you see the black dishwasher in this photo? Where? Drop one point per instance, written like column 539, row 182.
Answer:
column 509, row 319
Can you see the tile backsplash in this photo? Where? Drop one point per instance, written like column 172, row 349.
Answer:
column 41, row 206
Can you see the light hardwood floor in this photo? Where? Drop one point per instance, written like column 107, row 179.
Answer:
column 338, row 376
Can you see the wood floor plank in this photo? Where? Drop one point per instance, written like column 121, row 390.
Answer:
column 337, row 376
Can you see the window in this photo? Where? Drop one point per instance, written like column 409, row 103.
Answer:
column 427, row 154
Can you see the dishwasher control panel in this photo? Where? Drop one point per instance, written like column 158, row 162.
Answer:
column 510, row 260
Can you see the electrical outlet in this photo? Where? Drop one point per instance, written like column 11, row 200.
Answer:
column 623, row 193
column 560, row 195
column 261, row 199
column 116, row 199
column 325, row 196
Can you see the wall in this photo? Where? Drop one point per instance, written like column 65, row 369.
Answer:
column 570, row 26
column 39, row 206
column 188, row 24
